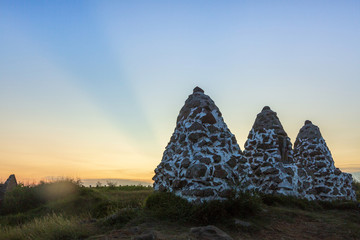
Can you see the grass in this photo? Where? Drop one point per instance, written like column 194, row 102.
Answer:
column 49, row 227
column 58, row 210
column 66, row 210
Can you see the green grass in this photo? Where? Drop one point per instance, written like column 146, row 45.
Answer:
column 66, row 210
column 69, row 198
column 49, row 227
column 35, row 211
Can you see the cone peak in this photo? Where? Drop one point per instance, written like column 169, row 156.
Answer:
column 308, row 122
column 309, row 131
column 197, row 89
column 266, row 108
column 268, row 119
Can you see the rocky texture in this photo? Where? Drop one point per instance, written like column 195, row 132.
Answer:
column 202, row 161
column 268, row 149
column 10, row 184
column 209, row 233
column 323, row 180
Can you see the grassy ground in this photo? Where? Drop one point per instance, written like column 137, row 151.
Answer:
column 65, row 210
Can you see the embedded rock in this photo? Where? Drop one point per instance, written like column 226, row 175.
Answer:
column 208, row 233
column 146, row 236
column 324, row 180
column 202, row 161
column 268, row 149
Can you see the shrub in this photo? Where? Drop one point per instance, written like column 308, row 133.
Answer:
column 25, row 198
column 245, row 204
column 340, row 205
column 111, row 185
column 168, row 206
column 304, row 204
column 289, row 201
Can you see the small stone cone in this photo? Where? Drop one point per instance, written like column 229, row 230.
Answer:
column 10, row 184
column 311, row 149
column 202, row 161
column 312, row 154
column 269, row 152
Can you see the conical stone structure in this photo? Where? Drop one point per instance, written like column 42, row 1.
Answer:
column 313, row 156
column 10, row 184
column 268, row 149
column 202, row 161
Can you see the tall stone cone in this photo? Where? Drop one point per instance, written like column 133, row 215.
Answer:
column 269, row 152
column 202, row 161
column 313, row 155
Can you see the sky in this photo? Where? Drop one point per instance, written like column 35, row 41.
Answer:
column 92, row 89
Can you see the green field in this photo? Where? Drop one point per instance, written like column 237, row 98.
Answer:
column 66, row 210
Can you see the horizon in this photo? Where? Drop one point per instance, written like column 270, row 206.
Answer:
column 92, row 90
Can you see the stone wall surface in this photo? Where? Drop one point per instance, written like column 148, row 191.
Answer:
column 203, row 161
column 268, row 149
column 326, row 182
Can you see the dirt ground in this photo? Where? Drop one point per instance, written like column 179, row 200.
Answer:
column 272, row 223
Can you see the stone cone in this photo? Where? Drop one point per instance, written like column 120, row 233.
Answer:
column 9, row 185
column 268, row 149
column 11, row 182
column 312, row 154
column 202, row 161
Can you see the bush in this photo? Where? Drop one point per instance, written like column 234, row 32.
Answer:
column 168, row 206
column 111, row 185
column 289, row 201
column 25, row 198
column 339, row 205
column 243, row 205
column 21, row 199
column 304, row 204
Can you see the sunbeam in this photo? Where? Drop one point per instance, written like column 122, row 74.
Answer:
column 90, row 88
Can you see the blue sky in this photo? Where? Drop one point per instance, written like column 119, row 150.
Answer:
column 100, row 83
